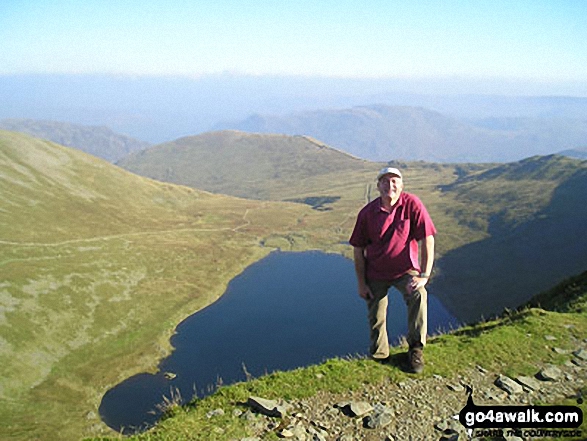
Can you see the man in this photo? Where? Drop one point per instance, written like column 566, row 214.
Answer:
column 393, row 242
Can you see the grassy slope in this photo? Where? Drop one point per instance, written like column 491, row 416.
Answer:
column 241, row 164
column 513, row 345
column 97, row 266
column 534, row 214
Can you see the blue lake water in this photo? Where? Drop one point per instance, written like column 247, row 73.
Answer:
column 286, row 311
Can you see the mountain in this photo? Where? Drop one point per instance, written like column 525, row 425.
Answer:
column 579, row 153
column 159, row 109
column 533, row 213
column 241, row 164
column 383, row 133
column 98, row 141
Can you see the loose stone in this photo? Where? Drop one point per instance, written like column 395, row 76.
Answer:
column 268, row 407
column 529, row 382
column 551, row 373
column 509, row 385
column 358, row 408
column 581, row 354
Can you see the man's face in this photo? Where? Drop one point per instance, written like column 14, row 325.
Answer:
column 390, row 186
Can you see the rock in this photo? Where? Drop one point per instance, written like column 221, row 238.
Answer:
column 549, row 337
column 268, row 407
column 442, row 426
column 285, row 433
column 248, row 416
column 456, row 387
column 299, row 433
column 529, row 382
column 551, row 373
column 357, row 408
column 317, row 435
column 581, row 354
column 381, row 417
column 509, row 385
column 452, row 437
column 215, row 413
column 481, row 369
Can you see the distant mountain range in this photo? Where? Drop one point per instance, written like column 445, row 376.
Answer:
column 98, row 141
column 160, row 109
column 377, row 133
column 383, row 133
column 580, row 153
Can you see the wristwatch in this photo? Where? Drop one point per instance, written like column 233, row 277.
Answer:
column 425, row 275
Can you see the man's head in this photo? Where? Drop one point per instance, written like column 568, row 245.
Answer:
column 390, row 183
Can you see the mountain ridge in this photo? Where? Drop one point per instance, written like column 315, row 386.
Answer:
column 239, row 163
column 99, row 141
column 383, row 133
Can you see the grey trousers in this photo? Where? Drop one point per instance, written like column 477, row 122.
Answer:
column 417, row 303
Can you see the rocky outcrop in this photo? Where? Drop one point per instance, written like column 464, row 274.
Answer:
column 415, row 409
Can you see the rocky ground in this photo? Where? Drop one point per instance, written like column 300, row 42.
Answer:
column 416, row 409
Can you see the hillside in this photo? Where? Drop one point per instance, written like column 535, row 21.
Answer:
column 98, row 141
column 241, row 164
column 97, row 267
column 383, row 133
column 534, row 214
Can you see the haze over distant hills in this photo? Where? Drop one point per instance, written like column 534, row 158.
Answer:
column 98, row 141
column 161, row 109
column 580, row 153
column 383, row 133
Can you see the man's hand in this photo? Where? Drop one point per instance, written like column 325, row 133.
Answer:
column 365, row 291
column 415, row 283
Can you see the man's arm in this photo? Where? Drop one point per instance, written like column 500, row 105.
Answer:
column 426, row 246
column 426, row 255
column 359, row 258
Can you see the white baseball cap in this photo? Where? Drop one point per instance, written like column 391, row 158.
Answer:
column 389, row 171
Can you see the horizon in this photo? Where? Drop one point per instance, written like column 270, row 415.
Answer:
column 527, row 46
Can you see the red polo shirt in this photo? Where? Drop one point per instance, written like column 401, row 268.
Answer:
column 391, row 238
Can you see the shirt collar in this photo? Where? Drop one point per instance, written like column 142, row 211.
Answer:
column 379, row 205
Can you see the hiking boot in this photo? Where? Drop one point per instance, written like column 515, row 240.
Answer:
column 416, row 360
column 382, row 360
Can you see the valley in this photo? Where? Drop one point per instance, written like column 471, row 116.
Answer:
column 98, row 264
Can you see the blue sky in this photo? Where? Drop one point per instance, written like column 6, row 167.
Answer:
column 542, row 41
